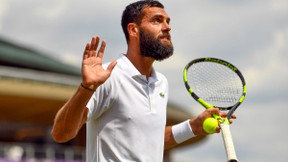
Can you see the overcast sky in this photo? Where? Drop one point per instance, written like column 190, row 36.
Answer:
column 251, row 34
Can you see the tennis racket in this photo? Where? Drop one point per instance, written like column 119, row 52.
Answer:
column 214, row 83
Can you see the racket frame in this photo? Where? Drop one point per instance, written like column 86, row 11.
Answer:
column 224, row 124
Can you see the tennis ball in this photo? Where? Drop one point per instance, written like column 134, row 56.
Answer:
column 210, row 125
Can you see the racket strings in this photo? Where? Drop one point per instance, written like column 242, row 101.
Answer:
column 215, row 83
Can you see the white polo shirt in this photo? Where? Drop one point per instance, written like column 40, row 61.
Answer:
column 127, row 116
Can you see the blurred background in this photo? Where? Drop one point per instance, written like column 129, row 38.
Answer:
column 41, row 45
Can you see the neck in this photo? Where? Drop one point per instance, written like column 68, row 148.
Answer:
column 142, row 64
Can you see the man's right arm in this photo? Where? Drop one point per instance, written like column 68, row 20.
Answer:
column 70, row 118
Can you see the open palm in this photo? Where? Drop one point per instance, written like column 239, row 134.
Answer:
column 93, row 74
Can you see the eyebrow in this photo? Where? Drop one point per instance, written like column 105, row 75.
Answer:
column 161, row 16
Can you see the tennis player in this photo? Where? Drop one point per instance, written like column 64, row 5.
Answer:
column 123, row 103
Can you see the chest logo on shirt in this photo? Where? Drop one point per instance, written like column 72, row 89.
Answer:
column 162, row 95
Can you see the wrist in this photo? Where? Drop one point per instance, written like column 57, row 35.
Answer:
column 89, row 88
column 182, row 131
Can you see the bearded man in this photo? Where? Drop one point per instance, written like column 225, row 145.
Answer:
column 123, row 103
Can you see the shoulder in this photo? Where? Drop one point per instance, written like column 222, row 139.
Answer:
column 117, row 66
column 161, row 77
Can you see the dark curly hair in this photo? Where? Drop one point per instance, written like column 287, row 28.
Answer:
column 133, row 13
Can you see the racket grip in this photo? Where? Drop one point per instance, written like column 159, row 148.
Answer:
column 228, row 142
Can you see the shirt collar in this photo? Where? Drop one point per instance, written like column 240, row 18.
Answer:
column 127, row 65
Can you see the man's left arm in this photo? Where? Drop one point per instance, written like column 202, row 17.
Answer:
column 181, row 132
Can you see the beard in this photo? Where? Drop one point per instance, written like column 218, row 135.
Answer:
column 151, row 47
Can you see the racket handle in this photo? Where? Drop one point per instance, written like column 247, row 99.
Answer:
column 228, row 142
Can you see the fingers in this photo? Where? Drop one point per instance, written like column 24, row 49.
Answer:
column 209, row 113
column 111, row 66
column 101, row 50
column 86, row 51
column 94, row 45
column 218, row 129
column 213, row 111
column 233, row 117
column 91, row 48
column 225, row 114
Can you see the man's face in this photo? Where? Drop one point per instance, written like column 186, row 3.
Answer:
column 155, row 39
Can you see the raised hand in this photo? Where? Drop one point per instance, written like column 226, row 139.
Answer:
column 93, row 74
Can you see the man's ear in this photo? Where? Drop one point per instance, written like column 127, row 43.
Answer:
column 133, row 29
